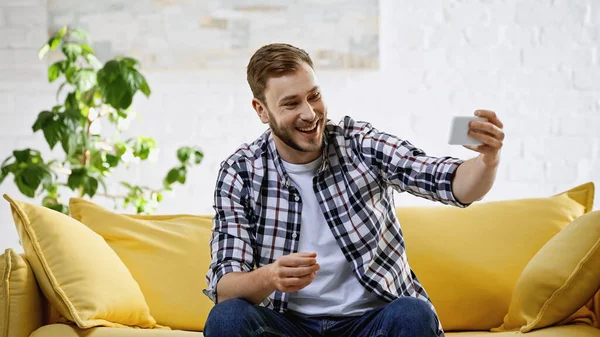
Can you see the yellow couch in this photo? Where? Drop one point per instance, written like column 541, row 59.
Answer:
column 503, row 268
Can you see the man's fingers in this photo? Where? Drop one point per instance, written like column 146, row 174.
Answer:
column 295, row 260
column 487, row 128
column 305, row 254
column 486, row 139
column 292, row 284
column 298, row 271
column 490, row 116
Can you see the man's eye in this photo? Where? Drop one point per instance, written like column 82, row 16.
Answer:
column 315, row 96
column 291, row 104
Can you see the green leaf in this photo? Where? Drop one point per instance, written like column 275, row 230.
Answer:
column 172, row 176
column 53, row 133
column 79, row 34
column 8, row 168
column 184, row 154
column 77, row 178
column 69, row 143
column 90, row 186
column 182, row 173
column 120, row 149
column 142, row 147
column 113, row 86
column 61, row 33
column 126, row 185
column 29, row 179
column 70, row 74
column 85, row 79
column 86, row 49
column 23, row 186
column 198, row 156
column 59, row 208
column 93, row 60
column 133, row 78
column 22, row 156
column 42, row 120
column 71, row 102
column 55, row 70
column 145, row 88
column 53, row 42
column 4, row 171
column 43, row 51
column 112, row 160
column 72, row 50
column 130, row 62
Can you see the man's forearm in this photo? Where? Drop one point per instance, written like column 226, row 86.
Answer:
column 252, row 286
column 473, row 180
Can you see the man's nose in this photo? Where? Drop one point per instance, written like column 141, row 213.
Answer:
column 307, row 112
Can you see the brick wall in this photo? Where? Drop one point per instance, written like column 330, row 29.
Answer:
column 536, row 64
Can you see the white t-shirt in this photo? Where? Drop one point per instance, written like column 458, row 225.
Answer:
column 335, row 291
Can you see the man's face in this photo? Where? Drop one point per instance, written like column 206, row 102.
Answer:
column 296, row 114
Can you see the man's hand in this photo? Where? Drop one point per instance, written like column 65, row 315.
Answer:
column 294, row 271
column 490, row 133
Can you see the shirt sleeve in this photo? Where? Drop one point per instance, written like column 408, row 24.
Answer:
column 405, row 167
column 233, row 235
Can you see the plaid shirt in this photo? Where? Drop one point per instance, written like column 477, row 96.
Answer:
column 258, row 210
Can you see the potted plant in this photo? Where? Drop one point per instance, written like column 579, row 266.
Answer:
column 91, row 92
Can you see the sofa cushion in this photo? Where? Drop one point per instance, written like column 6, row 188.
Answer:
column 20, row 308
column 62, row 330
column 469, row 259
column 573, row 330
column 560, row 279
column 168, row 255
column 79, row 274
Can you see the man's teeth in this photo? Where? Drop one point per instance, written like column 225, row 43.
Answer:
column 309, row 129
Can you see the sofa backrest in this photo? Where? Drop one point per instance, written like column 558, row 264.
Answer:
column 469, row 259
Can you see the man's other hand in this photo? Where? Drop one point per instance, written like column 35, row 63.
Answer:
column 490, row 133
column 294, row 271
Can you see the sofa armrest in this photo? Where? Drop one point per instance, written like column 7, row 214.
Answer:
column 21, row 306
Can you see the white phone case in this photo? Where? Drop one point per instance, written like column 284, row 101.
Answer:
column 459, row 128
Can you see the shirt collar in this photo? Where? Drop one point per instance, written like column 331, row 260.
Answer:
column 274, row 155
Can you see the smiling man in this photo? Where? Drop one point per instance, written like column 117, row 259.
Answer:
column 305, row 238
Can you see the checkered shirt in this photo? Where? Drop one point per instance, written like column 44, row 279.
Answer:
column 258, row 210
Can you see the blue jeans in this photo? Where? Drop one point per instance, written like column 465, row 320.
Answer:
column 404, row 317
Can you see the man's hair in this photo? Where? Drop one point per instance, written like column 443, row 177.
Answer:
column 273, row 60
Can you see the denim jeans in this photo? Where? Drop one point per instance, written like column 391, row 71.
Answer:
column 404, row 317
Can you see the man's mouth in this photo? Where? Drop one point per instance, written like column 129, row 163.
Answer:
column 309, row 129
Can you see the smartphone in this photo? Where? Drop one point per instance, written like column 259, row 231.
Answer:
column 459, row 128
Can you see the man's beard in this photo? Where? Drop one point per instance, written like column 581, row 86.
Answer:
column 286, row 134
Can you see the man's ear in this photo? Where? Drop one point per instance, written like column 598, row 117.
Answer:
column 261, row 110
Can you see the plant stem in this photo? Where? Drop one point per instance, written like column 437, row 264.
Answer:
column 111, row 196
column 86, row 152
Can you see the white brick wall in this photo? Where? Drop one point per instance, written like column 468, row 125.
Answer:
column 535, row 63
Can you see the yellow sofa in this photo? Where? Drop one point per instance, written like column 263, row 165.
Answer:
column 503, row 268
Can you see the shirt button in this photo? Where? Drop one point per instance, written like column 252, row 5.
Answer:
column 297, row 198
column 294, row 235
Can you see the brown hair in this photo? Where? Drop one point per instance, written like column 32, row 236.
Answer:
column 273, row 59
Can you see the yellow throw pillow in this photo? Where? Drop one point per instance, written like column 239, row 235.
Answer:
column 560, row 278
column 168, row 255
column 20, row 305
column 80, row 275
column 469, row 259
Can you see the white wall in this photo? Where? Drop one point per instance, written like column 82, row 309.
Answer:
column 534, row 62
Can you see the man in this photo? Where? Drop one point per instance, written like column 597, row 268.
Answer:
column 305, row 223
